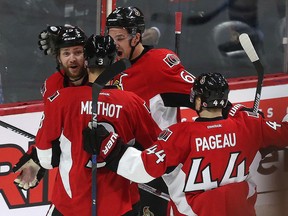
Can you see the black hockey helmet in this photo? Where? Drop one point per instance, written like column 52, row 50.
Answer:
column 130, row 18
column 99, row 51
column 70, row 36
column 213, row 90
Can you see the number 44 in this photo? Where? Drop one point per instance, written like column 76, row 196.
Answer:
column 207, row 182
column 160, row 154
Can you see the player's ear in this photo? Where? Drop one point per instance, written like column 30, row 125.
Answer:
column 136, row 39
column 59, row 60
column 198, row 103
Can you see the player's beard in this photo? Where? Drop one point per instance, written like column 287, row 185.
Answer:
column 74, row 74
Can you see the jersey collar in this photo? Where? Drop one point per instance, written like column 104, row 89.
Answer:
column 201, row 119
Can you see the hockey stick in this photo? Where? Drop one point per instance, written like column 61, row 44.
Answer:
column 95, row 95
column 178, row 25
column 251, row 53
column 154, row 191
column 17, row 130
column 108, row 74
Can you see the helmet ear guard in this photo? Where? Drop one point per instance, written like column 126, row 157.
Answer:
column 99, row 51
column 213, row 90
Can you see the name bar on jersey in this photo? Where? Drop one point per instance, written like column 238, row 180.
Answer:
column 104, row 109
column 215, row 142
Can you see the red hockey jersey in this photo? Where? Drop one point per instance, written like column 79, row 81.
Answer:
column 209, row 156
column 55, row 82
column 160, row 79
column 66, row 114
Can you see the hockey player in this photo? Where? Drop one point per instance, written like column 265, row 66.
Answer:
column 156, row 75
column 66, row 43
column 215, row 158
column 66, row 114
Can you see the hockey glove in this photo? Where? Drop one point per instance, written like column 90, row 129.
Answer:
column 48, row 39
column 226, row 109
column 107, row 146
column 30, row 170
column 92, row 138
column 229, row 105
column 251, row 110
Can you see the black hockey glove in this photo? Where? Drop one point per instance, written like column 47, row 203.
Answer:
column 251, row 110
column 106, row 145
column 30, row 170
column 225, row 110
column 48, row 39
column 93, row 137
column 229, row 105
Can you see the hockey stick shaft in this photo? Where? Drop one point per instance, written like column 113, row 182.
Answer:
column 178, row 26
column 94, row 107
column 154, row 191
column 17, row 130
column 251, row 53
column 108, row 74
column 260, row 71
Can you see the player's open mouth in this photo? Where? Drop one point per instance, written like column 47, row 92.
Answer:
column 119, row 53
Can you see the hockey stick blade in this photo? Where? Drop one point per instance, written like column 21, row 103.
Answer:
column 108, row 74
column 251, row 53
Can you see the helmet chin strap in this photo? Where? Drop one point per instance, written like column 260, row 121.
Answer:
column 132, row 48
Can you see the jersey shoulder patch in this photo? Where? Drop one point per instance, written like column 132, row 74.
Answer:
column 54, row 96
column 165, row 134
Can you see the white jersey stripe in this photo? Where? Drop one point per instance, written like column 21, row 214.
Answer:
column 65, row 163
column 131, row 167
column 175, row 182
